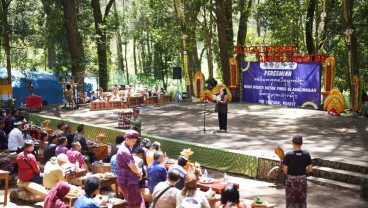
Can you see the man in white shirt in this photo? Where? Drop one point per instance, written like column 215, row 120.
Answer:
column 168, row 198
column 54, row 172
column 16, row 140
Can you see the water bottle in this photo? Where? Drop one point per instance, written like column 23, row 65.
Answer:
column 225, row 178
column 77, row 166
column 205, row 174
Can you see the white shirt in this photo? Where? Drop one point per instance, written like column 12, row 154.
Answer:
column 199, row 195
column 15, row 140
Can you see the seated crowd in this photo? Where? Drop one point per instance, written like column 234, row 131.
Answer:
column 138, row 166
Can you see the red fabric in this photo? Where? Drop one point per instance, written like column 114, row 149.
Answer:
column 26, row 171
column 34, row 102
column 74, row 155
column 55, row 198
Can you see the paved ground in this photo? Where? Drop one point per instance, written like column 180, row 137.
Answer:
column 256, row 130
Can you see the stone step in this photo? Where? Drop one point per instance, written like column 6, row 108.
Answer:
column 339, row 175
column 334, row 184
column 335, row 164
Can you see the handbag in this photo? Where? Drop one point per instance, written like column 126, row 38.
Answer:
column 155, row 199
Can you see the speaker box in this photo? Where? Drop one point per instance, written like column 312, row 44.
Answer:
column 177, row 72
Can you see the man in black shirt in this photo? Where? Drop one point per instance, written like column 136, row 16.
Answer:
column 50, row 147
column 296, row 164
column 78, row 137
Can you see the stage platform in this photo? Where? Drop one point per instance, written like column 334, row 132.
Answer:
column 253, row 132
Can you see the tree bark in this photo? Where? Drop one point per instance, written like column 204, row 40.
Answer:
column 119, row 48
column 100, row 24
column 135, row 55
column 5, row 35
column 245, row 8
column 75, row 44
column 348, row 6
column 221, row 29
column 309, row 27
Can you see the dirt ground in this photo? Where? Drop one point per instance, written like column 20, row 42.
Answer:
column 256, row 130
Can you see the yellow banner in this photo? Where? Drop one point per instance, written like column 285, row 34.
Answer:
column 186, row 71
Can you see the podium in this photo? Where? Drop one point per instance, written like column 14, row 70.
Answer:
column 34, row 102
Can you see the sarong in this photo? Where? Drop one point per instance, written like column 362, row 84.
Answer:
column 296, row 191
column 132, row 195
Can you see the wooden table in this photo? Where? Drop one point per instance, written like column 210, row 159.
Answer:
column 101, row 168
column 107, row 182
column 216, row 186
column 71, row 177
column 101, row 151
column 5, row 175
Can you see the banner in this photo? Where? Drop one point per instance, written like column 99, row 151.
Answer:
column 285, row 84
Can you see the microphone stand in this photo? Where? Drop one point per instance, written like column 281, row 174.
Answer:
column 204, row 115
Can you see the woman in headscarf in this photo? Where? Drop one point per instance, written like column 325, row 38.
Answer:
column 189, row 194
column 56, row 196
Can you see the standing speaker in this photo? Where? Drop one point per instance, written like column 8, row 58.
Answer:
column 177, row 72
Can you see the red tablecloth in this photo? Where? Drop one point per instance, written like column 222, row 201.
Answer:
column 34, row 102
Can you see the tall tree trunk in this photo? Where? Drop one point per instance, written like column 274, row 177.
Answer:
column 245, row 8
column 258, row 20
column 74, row 42
column 100, row 25
column 135, row 55
column 119, row 48
column 126, row 64
column 348, row 6
column 208, row 41
column 228, row 5
column 5, row 35
column 221, row 29
column 309, row 27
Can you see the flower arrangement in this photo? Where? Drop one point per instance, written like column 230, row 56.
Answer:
column 101, row 137
column 45, row 124
column 206, row 95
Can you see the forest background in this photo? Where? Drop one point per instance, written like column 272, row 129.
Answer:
column 122, row 41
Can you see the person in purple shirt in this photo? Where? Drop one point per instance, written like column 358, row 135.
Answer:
column 128, row 173
column 61, row 148
column 156, row 172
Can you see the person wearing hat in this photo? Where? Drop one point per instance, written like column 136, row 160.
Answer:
column 53, row 172
column 296, row 164
column 128, row 173
column 28, row 169
column 15, row 139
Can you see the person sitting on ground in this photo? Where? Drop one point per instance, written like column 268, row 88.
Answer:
column 28, row 169
column 135, row 121
column 74, row 155
column 230, row 198
column 182, row 161
column 15, row 139
column 10, row 119
column 190, row 190
column 69, row 135
column 54, row 172
column 61, row 148
column 78, row 137
column 3, row 136
column 91, row 187
column 156, row 146
column 146, row 144
column 114, row 148
column 50, row 147
column 168, row 198
column 55, row 198
column 139, row 155
column 156, row 172
column 60, row 130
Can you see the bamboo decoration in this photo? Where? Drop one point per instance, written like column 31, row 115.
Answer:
column 356, row 93
column 233, row 73
column 329, row 78
column 198, row 84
